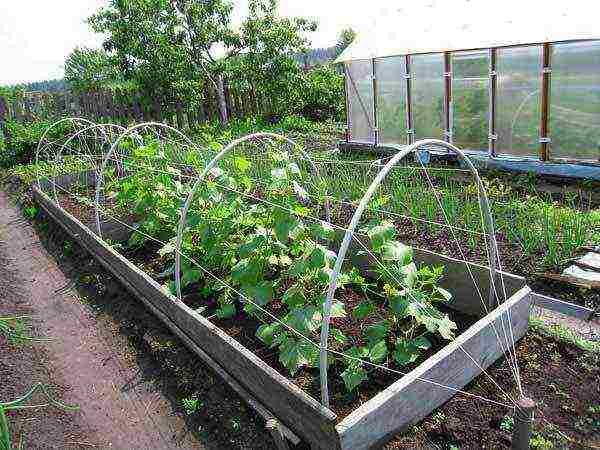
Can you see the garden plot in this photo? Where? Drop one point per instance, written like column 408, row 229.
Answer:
column 295, row 291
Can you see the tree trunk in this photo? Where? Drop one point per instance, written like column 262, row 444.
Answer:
column 221, row 99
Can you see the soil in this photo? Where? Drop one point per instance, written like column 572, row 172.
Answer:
column 561, row 377
column 564, row 381
column 243, row 327
column 107, row 355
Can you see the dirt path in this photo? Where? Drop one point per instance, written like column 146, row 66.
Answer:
column 86, row 363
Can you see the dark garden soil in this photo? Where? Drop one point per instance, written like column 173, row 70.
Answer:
column 107, row 354
column 152, row 371
column 564, row 381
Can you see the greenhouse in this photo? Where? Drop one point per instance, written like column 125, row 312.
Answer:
column 521, row 88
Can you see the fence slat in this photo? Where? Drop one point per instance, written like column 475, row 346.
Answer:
column 3, row 111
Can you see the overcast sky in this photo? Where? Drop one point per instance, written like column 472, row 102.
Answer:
column 37, row 35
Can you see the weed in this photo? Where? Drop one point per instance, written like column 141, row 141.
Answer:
column 508, row 423
column 191, row 404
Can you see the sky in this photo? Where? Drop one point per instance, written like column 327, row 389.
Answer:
column 37, row 35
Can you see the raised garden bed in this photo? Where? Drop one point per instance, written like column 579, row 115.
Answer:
column 405, row 401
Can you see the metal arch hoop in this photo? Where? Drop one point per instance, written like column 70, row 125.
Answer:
column 102, row 127
column 489, row 224
column 202, row 177
column 111, row 152
column 39, row 147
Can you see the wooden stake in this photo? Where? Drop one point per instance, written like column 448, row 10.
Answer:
column 375, row 121
column 523, row 424
column 277, row 434
column 448, row 97
column 347, row 104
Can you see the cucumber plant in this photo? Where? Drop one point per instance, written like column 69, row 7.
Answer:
column 258, row 231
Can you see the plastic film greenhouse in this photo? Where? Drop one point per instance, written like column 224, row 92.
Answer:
column 519, row 90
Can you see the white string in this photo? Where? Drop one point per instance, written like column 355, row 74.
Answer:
column 291, row 329
column 365, row 248
column 471, row 274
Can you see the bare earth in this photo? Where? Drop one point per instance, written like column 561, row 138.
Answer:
column 86, row 364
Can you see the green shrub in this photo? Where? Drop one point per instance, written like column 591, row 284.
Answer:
column 20, row 140
column 322, row 94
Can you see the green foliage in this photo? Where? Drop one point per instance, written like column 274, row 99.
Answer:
column 166, row 46
column 322, row 94
column 16, row 330
column 266, row 254
column 21, row 140
column 191, row 404
column 6, row 441
column 346, row 37
column 90, row 70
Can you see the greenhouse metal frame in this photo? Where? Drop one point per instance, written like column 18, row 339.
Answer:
column 527, row 97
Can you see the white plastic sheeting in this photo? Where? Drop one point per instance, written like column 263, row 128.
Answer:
column 451, row 25
column 575, row 101
column 470, row 99
column 519, row 100
column 359, row 87
column 427, row 95
column 391, row 100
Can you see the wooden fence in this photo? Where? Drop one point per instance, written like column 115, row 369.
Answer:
column 127, row 108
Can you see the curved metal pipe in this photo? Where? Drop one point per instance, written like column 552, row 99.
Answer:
column 111, row 152
column 202, row 177
column 102, row 127
column 44, row 134
column 484, row 203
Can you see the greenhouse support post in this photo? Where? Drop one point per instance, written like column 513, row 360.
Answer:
column 522, row 430
column 448, row 97
column 347, row 105
column 375, row 121
column 545, row 107
column 493, row 84
column 409, row 118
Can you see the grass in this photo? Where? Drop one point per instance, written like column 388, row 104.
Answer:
column 542, row 230
column 565, row 334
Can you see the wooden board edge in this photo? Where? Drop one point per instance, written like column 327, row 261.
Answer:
column 519, row 303
column 562, row 307
column 326, row 415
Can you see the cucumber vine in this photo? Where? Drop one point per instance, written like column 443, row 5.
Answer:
column 256, row 228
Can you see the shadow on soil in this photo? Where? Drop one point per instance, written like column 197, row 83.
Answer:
column 213, row 413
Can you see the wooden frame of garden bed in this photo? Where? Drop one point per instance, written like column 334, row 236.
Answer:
column 405, row 402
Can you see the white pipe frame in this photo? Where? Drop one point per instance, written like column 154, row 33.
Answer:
column 202, row 178
column 101, row 127
column 41, row 143
column 111, row 152
column 489, row 224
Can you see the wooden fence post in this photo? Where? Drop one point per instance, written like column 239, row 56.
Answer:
column 523, row 424
column 277, row 434
column 3, row 111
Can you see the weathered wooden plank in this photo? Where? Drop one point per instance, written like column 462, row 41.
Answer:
column 586, row 276
column 590, row 260
column 562, row 307
column 301, row 413
column 460, row 277
column 410, row 399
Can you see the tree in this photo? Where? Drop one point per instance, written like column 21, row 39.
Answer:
column 90, row 69
column 162, row 43
column 347, row 36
